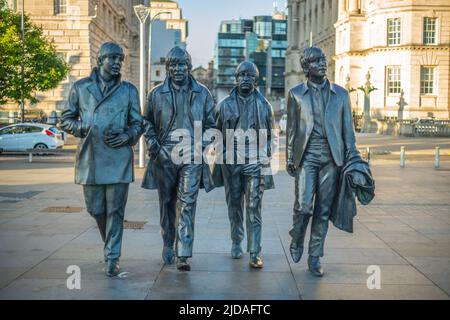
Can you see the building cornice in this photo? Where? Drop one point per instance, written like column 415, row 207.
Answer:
column 393, row 49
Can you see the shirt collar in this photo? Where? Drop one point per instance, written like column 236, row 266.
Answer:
column 318, row 86
column 184, row 88
column 105, row 84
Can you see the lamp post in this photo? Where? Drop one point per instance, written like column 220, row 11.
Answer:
column 142, row 13
column 22, row 104
column 149, row 75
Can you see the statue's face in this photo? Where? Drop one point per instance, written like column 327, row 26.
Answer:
column 246, row 81
column 318, row 65
column 111, row 63
column 179, row 71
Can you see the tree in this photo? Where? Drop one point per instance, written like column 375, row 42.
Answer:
column 43, row 69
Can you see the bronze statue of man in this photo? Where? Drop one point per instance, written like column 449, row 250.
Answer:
column 104, row 112
column 245, row 112
column 177, row 105
column 320, row 142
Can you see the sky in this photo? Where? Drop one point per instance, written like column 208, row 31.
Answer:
column 204, row 20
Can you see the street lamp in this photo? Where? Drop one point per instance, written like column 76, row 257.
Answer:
column 142, row 13
column 22, row 24
column 149, row 79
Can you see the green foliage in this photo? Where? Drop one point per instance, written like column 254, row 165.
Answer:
column 43, row 69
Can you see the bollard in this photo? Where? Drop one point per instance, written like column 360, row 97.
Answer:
column 368, row 154
column 402, row 157
column 437, row 157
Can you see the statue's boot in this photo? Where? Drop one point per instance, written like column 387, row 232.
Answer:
column 112, row 268
column 236, row 250
column 314, row 266
column 256, row 261
column 168, row 255
column 298, row 238
column 183, row 264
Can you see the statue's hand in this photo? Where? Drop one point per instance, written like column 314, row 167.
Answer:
column 290, row 168
column 116, row 138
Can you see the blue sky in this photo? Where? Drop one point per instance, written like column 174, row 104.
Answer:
column 204, row 20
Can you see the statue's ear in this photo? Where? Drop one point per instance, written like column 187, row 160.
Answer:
column 99, row 61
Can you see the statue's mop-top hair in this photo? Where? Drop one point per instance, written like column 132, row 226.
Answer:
column 177, row 55
column 307, row 54
column 249, row 67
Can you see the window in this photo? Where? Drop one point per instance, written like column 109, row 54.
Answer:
column 30, row 129
column 280, row 28
column 393, row 80
column 263, row 29
column 393, row 31
column 60, row 6
column 429, row 30
column 427, row 80
column 277, row 53
column 158, row 73
column 232, row 43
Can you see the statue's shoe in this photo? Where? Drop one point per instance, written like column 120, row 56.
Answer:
column 183, row 264
column 256, row 262
column 236, row 251
column 314, row 266
column 296, row 252
column 112, row 268
column 168, row 255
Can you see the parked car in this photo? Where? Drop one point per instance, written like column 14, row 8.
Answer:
column 282, row 124
column 23, row 136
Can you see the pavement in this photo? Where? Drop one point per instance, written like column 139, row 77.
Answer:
column 404, row 234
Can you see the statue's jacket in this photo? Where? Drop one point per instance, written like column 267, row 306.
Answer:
column 344, row 205
column 88, row 114
column 338, row 124
column 227, row 117
column 159, row 116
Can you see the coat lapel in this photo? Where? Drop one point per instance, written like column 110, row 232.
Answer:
column 109, row 94
column 95, row 91
column 331, row 99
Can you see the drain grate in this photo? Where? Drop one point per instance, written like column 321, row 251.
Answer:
column 133, row 224
column 62, row 209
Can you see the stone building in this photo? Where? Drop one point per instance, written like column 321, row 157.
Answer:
column 205, row 76
column 170, row 12
column 405, row 48
column 78, row 27
column 309, row 21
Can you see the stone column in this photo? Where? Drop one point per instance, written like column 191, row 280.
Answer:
column 353, row 6
column 342, row 9
column 294, row 23
column 332, row 15
column 301, row 22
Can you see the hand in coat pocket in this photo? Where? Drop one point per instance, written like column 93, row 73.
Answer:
column 116, row 138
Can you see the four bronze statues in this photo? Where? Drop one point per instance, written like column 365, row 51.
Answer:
column 180, row 114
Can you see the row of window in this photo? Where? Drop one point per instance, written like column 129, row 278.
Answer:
column 394, row 31
column 427, row 80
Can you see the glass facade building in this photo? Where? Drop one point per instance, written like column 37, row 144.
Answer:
column 262, row 40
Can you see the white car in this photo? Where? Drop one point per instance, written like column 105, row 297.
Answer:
column 23, row 136
column 283, row 123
